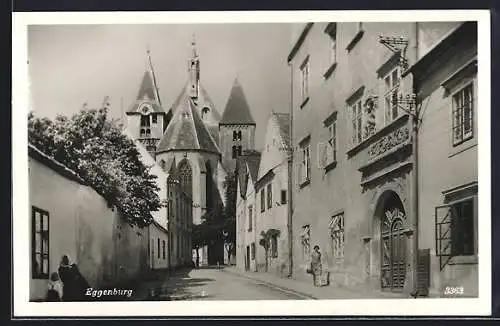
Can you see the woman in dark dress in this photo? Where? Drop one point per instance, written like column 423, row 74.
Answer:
column 74, row 284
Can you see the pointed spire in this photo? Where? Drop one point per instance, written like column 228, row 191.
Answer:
column 193, row 47
column 105, row 103
column 155, row 85
column 237, row 110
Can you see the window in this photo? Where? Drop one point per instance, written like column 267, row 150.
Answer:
column 304, row 77
column 163, row 245
column 236, row 151
column 274, row 246
column 236, row 135
column 462, row 115
column 154, row 118
column 145, row 122
column 262, row 200
column 250, row 212
column 283, row 197
column 305, row 164
column 269, row 195
column 204, row 113
column 158, row 248
column 40, row 243
column 391, row 86
column 357, row 122
column 462, row 228
column 331, row 150
column 337, row 236
column 253, row 250
column 331, row 30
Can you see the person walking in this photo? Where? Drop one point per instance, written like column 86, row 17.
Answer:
column 316, row 267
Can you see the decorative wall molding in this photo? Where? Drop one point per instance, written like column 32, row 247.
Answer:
column 395, row 139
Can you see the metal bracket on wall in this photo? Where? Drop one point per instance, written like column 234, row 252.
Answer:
column 397, row 45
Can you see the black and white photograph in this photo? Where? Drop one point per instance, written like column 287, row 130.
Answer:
column 239, row 162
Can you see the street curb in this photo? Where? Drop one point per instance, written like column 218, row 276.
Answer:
column 270, row 284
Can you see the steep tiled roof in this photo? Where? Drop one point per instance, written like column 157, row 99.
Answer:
column 148, row 93
column 253, row 162
column 283, row 122
column 247, row 164
column 187, row 131
column 237, row 110
column 203, row 101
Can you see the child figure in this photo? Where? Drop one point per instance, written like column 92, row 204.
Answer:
column 55, row 291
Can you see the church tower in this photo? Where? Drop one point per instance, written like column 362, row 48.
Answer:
column 236, row 128
column 146, row 118
column 194, row 72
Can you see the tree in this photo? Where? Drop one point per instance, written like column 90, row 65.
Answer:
column 95, row 148
column 229, row 214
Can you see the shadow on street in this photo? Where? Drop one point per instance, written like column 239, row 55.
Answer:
column 179, row 285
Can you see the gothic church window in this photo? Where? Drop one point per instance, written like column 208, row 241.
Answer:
column 186, row 177
column 236, row 135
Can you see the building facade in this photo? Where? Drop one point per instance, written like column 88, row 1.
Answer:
column 247, row 167
column 70, row 218
column 272, row 197
column 445, row 82
column 354, row 190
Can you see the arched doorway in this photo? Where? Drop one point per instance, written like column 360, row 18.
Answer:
column 393, row 242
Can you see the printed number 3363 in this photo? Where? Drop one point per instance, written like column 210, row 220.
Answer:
column 454, row 290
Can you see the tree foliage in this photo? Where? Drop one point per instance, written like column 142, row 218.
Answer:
column 96, row 149
column 229, row 213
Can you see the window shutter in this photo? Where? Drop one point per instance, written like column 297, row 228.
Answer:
column 322, row 153
column 423, row 273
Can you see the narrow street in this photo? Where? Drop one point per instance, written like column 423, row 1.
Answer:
column 210, row 283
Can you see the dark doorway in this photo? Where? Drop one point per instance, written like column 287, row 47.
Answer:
column 247, row 259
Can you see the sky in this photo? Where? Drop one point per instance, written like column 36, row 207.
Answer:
column 70, row 65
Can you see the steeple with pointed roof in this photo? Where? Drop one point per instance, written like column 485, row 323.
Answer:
column 237, row 110
column 146, row 118
column 236, row 128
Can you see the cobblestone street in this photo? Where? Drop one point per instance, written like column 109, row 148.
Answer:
column 209, row 283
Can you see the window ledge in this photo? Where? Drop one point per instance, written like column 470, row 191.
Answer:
column 355, row 40
column 463, row 260
column 330, row 166
column 457, row 149
column 305, row 183
column 330, row 71
column 304, row 102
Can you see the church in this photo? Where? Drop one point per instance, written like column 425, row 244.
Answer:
column 193, row 141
